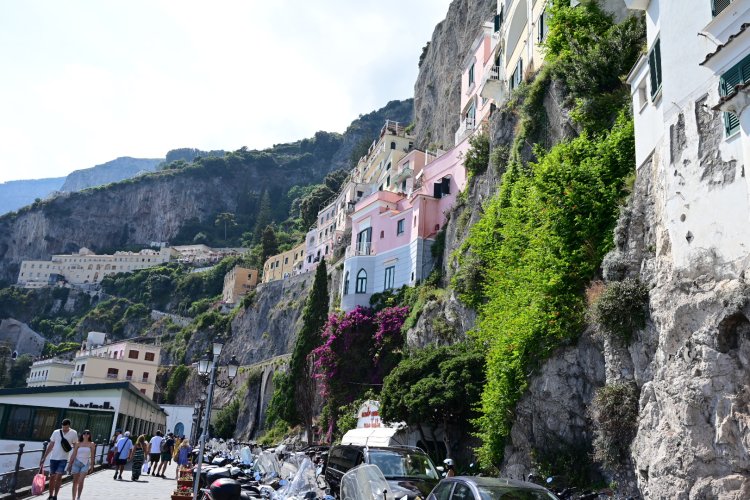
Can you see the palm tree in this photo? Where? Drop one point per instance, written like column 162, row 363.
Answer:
column 227, row 218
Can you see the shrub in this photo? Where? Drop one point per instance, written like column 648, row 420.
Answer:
column 622, row 308
column 614, row 412
column 175, row 383
column 477, row 158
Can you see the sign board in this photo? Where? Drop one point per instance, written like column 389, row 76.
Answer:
column 368, row 416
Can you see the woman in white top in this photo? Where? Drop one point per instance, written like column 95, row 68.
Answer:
column 81, row 462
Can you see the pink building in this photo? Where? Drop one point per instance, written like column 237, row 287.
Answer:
column 392, row 232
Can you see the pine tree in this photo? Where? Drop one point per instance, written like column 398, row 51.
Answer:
column 264, row 216
column 295, row 401
column 269, row 244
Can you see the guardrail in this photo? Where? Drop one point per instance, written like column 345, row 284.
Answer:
column 21, row 477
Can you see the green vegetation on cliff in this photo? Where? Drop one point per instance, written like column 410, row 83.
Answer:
column 526, row 262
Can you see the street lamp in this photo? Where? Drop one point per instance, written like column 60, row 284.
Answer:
column 207, row 369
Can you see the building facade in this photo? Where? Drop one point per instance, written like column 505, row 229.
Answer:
column 392, row 232
column 284, row 265
column 692, row 123
column 86, row 267
column 237, row 283
column 50, row 372
column 30, row 415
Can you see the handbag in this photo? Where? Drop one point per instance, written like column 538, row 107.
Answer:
column 37, row 485
column 64, row 443
column 144, row 469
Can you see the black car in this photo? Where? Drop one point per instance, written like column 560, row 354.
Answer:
column 409, row 471
column 488, row 488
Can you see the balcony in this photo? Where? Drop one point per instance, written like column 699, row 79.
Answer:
column 38, row 378
column 112, row 376
column 144, row 381
column 360, row 250
column 495, row 85
column 464, row 130
column 77, row 375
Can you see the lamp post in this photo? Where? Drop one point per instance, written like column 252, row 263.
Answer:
column 206, row 366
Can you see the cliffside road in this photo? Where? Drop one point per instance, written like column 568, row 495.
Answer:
column 101, row 485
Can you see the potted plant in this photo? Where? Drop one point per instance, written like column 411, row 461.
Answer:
column 182, row 492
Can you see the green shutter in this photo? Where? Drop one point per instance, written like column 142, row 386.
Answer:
column 737, row 74
column 654, row 67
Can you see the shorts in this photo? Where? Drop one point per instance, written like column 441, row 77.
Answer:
column 153, row 457
column 166, row 456
column 57, row 466
column 121, row 461
column 79, row 467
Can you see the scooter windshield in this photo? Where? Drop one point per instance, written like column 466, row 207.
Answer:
column 365, row 482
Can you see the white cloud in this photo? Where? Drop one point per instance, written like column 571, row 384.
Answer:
column 90, row 81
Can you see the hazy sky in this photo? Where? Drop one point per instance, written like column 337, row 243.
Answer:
column 86, row 81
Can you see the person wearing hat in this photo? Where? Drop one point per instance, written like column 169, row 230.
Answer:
column 122, row 453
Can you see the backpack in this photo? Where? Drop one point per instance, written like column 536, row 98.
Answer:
column 163, row 445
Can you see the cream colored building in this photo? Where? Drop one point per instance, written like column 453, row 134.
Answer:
column 50, row 372
column 86, row 267
column 284, row 264
column 237, row 283
column 117, row 362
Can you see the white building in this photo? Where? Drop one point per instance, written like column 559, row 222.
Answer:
column 179, row 419
column 690, row 101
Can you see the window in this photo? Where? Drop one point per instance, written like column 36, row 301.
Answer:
column 498, row 20
column 736, row 75
column 517, row 76
column 389, row 273
column 145, row 376
column 382, row 234
column 19, row 423
column 388, row 181
column 718, row 5
column 361, row 281
column 403, row 185
column 471, row 75
column 346, row 283
column 400, row 227
column 654, row 67
column 129, row 375
column 463, row 492
column 393, row 145
column 150, row 356
column 542, row 27
column 443, row 490
column 112, row 372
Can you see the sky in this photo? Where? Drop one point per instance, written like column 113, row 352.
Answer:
column 86, row 81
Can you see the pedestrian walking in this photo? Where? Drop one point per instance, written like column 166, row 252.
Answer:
column 139, row 455
column 60, row 443
column 111, row 458
column 154, row 452
column 167, row 447
column 123, row 452
column 81, row 462
column 183, row 453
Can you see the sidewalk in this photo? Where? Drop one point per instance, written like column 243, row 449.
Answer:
column 101, row 485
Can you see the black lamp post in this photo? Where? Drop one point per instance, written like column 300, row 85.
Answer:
column 208, row 366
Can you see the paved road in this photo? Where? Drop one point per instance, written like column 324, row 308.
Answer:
column 100, row 485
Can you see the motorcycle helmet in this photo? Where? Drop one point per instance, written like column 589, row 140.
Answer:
column 448, row 462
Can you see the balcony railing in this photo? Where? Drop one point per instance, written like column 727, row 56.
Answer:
column 112, row 376
column 465, row 129
column 77, row 375
column 144, row 381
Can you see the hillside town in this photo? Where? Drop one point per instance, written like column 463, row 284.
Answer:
column 544, row 298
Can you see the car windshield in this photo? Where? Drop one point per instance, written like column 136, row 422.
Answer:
column 511, row 493
column 403, row 464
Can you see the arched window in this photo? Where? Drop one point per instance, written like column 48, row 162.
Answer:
column 361, row 281
column 393, row 144
column 346, row 283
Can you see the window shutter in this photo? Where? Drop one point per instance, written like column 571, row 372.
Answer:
column 437, row 190
column 497, row 22
column 446, row 185
column 731, row 123
column 654, row 66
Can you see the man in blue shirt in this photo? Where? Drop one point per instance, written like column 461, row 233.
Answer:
column 123, row 452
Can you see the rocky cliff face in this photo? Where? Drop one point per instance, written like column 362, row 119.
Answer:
column 437, row 92
column 155, row 206
column 112, row 171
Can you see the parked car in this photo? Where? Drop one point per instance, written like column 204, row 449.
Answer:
column 488, row 488
column 408, row 470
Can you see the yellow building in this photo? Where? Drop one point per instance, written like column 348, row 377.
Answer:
column 86, row 267
column 284, row 264
column 237, row 283
column 99, row 362
column 50, row 372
